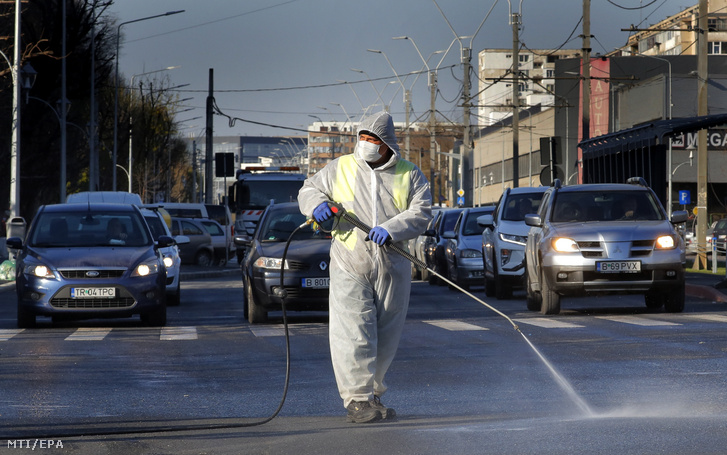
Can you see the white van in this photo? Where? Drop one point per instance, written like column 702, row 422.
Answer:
column 110, row 197
column 219, row 213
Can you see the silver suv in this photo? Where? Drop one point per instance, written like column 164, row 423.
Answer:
column 504, row 238
column 604, row 238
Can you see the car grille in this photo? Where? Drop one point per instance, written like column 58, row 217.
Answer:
column 89, row 304
column 82, row 273
column 297, row 265
column 297, row 292
column 639, row 248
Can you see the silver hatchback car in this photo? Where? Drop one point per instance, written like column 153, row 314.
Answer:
column 604, row 238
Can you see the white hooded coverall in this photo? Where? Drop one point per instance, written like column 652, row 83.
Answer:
column 370, row 284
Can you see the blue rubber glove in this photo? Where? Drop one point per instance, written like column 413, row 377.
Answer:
column 322, row 212
column 378, row 235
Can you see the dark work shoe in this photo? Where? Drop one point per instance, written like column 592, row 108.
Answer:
column 386, row 413
column 362, row 412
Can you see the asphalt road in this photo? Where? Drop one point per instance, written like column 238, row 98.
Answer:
column 464, row 381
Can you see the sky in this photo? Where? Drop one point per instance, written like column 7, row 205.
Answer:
column 279, row 65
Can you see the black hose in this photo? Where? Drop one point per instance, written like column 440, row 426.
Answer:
column 180, row 428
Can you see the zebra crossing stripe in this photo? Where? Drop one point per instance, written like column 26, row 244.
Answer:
column 548, row 323
column 709, row 317
column 88, row 334
column 268, row 331
column 6, row 334
column 454, row 326
column 636, row 320
column 178, row 333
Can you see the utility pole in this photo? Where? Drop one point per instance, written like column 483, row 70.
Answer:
column 209, row 140
column 702, row 152
column 586, row 86
column 466, row 139
column 15, row 149
column 515, row 100
column 432, row 126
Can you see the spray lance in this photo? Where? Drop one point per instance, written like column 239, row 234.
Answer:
column 340, row 212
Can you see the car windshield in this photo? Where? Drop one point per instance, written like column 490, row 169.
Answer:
column 88, row 229
column 519, row 205
column 256, row 194
column 449, row 219
column 585, row 206
column 279, row 224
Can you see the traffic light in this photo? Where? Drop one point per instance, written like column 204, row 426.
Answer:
column 224, row 164
column 551, row 156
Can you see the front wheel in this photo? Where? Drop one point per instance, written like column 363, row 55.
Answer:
column 255, row 313
column 203, row 258
column 532, row 298
column 674, row 300
column 156, row 318
column 550, row 300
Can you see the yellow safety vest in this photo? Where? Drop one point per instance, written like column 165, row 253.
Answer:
column 344, row 190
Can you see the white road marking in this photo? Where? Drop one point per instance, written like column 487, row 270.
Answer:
column 636, row 320
column 709, row 317
column 178, row 333
column 268, row 331
column 454, row 326
column 88, row 334
column 548, row 323
column 6, row 334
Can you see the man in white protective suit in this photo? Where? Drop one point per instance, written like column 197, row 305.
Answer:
column 370, row 284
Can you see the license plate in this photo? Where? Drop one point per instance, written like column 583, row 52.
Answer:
column 618, row 266
column 316, row 283
column 93, row 293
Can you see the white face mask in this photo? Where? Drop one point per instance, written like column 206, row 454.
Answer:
column 369, row 151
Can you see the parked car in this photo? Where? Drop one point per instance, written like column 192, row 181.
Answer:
column 155, row 219
column 604, row 238
column 219, row 240
column 306, row 279
column 503, row 240
column 719, row 232
column 418, row 246
column 463, row 254
column 199, row 250
column 219, row 213
column 87, row 261
column 435, row 250
column 241, row 239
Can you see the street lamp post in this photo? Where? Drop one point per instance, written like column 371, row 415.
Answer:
column 378, row 94
column 116, row 83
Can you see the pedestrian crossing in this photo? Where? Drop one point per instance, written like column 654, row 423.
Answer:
column 191, row 333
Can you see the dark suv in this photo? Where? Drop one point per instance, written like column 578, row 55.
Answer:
column 604, row 238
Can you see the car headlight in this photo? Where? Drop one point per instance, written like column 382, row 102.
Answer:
column 38, row 270
column 564, row 245
column 168, row 262
column 665, row 242
column 519, row 239
column 147, row 268
column 270, row 263
column 470, row 254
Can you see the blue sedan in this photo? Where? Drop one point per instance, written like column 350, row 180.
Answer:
column 87, row 261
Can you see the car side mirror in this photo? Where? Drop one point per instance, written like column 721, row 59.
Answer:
column 448, row 234
column 15, row 243
column 164, row 241
column 533, row 220
column 242, row 239
column 485, row 221
column 430, row 233
column 680, row 216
